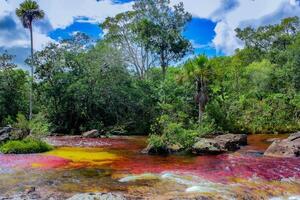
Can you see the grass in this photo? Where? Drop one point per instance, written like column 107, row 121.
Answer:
column 25, row 146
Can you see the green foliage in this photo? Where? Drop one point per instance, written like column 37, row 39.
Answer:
column 29, row 11
column 157, row 141
column 25, row 146
column 92, row 89
column 38, row 127
column 22, row 123
column 13, row 89
column 160, row 29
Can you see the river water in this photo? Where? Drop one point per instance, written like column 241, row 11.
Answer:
column 81, row 165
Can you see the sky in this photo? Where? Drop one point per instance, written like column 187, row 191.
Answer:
column 211, row 30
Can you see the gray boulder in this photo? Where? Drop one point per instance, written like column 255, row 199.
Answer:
column 207, row 146
column 91, row 134
column 289, row 147
column 98, row 196
column 219, row 144
column 5, row 134
column 231, row 142
column 168, row 149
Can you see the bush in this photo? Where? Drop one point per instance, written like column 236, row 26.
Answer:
column 25, row 146
column 38, row 127
column 156, row 141
column 169, row 132
column 22, row 123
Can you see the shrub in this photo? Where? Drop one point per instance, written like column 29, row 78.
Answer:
column 169, row 132
column 25, row 146
column 156, row 141
column 38, row 127
column 22, row 123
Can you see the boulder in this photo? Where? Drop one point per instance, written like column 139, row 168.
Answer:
column 174, row 148
column 207, row 146
column 219, row 144
column 169, row 149
column 98, row 196
column 231, row 142
column 5, row 134
column 289, row 147
column 91, row 134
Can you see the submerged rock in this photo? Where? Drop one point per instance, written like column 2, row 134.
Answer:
column 98, row 196
column 289, row 147
column 219, row 144
column 91, row 134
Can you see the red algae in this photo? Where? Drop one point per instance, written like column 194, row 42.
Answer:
column 31, row 161
column 127, row 158
column 216, row 168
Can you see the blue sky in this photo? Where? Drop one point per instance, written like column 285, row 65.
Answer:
column 211, row 30
column 199, row 31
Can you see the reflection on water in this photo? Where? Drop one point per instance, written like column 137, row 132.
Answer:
column 103, row 165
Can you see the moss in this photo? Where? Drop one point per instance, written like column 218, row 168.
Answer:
column 25, row 146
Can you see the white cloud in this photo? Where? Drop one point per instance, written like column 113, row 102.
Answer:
column 228, row 14
column 250, row 13
column 200, row 8
column 60, row 14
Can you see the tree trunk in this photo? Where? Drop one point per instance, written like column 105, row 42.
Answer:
column 163, row 64
column 31, row 81
column 200, row 112
column 202, row 97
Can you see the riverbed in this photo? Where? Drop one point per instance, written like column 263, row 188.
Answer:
column 83, row 165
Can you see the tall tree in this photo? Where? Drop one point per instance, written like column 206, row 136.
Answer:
column 28, row 12
column 160, row 29
column 120, row 32
column 13, row 87
column 197, row 71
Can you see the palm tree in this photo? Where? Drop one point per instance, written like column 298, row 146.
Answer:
column 197, row 71
column 28, row 12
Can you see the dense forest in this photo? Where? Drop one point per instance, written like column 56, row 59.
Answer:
column 142, row 78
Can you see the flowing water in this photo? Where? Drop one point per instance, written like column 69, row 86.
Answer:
column 80, row 165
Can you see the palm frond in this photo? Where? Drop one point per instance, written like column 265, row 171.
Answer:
column 29, row 11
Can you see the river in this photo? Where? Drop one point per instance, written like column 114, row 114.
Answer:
column 81, row 165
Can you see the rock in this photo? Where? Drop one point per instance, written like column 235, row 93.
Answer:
column 272, row 140
column 30, row 190
column 151, row 150
column 231, row 142
column 98, row 196
column 169, row 149
column 91, row 134
column 174, row 148
column 289, row 147
column 5, row 134
column 219, row 144
column 207, row 146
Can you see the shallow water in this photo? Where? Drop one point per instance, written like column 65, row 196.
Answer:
column 80, row 165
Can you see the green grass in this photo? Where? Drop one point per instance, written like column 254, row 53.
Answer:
column 25, row 146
